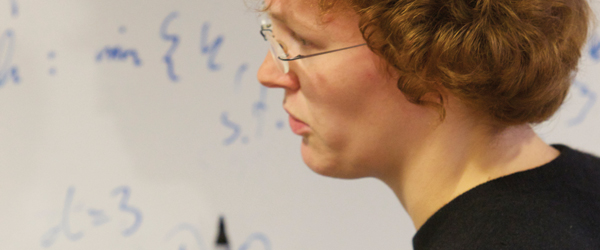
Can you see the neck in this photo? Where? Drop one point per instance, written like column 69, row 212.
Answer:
column 455, row 159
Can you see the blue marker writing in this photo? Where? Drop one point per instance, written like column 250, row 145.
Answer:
column 14, row 6
column 125, row 207
column 117, row 53
column 210, row 49
column 256, row 237
column 50, row 237
column 99, row 218
column 595, row 48
column 235, row 127
column 174, row 40
column 14, row 73
column 259, row 109
column 280, row 124
column 51, row 56
column 591, row 96
column 7, row 50
column 240, row 73
column 191, row 230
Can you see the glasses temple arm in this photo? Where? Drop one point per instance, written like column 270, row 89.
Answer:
column 318, row 54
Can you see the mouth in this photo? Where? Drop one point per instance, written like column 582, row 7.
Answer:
column 298, row 126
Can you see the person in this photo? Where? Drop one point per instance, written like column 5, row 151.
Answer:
column 436, row 98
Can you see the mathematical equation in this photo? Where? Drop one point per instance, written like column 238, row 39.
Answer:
column 258, row 111
column 210, row 48
column 99, row 217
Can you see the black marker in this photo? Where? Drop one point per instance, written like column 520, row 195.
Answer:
column 222, row 242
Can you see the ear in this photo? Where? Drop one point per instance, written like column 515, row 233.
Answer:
column 435, row 97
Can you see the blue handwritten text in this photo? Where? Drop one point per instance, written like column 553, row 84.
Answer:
column 98, row 217
column 7, row 49
column 591, row 97
column 231, row 125
column 174, row 40
column 211, row 49
column 117, row 53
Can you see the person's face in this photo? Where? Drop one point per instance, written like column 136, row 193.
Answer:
column 353, row 119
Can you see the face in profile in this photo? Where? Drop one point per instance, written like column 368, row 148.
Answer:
column 353, row 120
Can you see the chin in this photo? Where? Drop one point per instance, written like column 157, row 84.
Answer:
column 328, row 164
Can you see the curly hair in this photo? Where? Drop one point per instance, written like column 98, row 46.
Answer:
column 510, row 60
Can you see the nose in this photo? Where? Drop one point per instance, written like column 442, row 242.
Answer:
column 271, row 76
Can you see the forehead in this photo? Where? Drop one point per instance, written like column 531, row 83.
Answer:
column 307, row 13
column 289, row 7
column 294, row 12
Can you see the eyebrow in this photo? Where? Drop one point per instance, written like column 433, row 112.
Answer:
column 278, row 17
column 295, row 24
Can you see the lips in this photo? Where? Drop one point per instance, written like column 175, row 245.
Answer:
column 298, row 126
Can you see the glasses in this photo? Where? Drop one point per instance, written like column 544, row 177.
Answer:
column 279, row 55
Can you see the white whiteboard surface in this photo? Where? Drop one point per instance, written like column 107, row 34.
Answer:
column 135, row 124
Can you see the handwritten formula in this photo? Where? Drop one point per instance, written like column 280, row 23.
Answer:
column 99, row 217
column 210, row 42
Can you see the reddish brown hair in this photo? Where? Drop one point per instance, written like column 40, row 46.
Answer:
column 511, row 60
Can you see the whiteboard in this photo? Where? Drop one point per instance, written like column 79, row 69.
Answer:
column 136, row 124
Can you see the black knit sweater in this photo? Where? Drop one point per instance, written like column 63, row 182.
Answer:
column 554, row 206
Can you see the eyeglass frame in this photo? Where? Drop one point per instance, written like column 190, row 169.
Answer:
column 265, row 27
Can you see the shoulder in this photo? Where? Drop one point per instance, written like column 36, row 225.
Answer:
column 555, row 206
column 577, row 170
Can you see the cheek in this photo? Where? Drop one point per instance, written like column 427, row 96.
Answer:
column 349, row 88
column 340, row 78
column 334, row 102
column 348, row 108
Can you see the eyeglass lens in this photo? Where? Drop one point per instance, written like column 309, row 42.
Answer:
column 277, row 52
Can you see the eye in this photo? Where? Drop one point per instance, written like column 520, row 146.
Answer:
column 285, row 49
column 303, row 41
